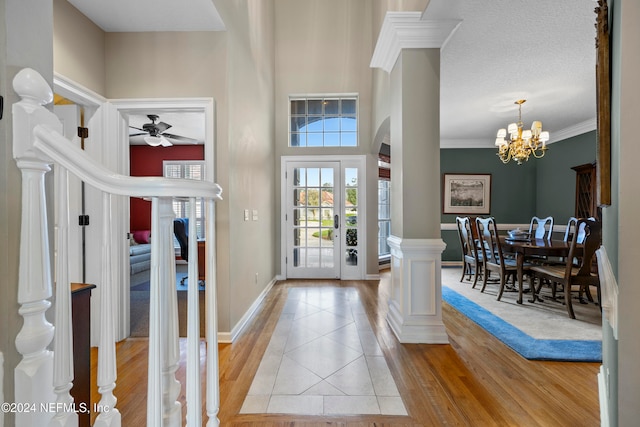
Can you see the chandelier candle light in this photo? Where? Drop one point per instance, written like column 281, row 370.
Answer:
column 521, row 143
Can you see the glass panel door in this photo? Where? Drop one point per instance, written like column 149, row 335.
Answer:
column 313, row 220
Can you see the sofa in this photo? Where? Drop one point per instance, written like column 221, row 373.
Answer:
column 139, row 256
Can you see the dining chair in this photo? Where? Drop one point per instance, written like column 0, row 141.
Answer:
column 571, row 275
column 571, row 229
column 541, row 228
column 493, row 257
column 470, row 258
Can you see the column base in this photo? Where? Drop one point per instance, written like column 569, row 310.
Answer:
column 415, row 305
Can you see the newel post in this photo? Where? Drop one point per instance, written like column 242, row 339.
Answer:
column 34, row 373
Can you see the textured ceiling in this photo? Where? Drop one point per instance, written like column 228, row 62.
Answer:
column 542, row 51
column 504, row 50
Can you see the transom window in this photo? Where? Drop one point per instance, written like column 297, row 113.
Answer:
column 323, row 121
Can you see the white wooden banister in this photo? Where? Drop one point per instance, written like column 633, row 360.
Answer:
column 213, row 386
column 108, row 416
column 57, row 148
column 194, row 412
column 63, row 344
column 44, row 377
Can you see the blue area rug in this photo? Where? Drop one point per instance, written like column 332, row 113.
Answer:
column 523, row 344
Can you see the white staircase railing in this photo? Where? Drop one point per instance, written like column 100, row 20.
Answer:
column 43, row 378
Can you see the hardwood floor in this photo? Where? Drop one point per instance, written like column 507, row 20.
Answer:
column 474, row 381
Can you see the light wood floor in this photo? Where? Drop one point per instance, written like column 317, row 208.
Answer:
column 474, row 381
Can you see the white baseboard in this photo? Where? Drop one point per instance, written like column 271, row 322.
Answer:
column 224, row 338
column 603, row 393
column 229, row 337
column 452, row 263
column 372, row 277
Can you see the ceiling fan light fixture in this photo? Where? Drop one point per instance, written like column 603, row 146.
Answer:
column 155, row 141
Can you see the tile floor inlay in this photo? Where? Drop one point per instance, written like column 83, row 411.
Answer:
column 323, row 359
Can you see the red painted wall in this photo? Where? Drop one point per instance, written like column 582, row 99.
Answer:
column 147, row 161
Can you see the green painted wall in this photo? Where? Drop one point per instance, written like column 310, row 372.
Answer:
column 555, row 182
column 539, row 187
column 512, row 189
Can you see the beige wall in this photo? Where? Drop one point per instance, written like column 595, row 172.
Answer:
column 165, row 64
column 176, row 65
column 234, row 67
column 324, row 46
column 250, row 147
column 78, row 47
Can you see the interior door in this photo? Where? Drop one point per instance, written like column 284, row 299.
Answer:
column 69, row 115
column 313, row 220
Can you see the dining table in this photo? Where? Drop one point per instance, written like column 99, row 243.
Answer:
column 524, row 248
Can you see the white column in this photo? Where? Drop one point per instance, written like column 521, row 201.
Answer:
column 409, row 49
column 108, row 416
column 34, row 373
column 65, row 416
column 213, row 385
column 164, row 351
column 172, row 415
column 194, row 394
column 415, row 309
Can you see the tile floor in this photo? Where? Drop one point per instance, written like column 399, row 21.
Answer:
column 323, row 359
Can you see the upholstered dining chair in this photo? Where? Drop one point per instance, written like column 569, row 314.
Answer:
column 493, row 257
column 471, row 264
column 541, row 228
column 571, row 275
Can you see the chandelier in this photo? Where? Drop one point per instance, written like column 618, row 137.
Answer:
column 521, row 143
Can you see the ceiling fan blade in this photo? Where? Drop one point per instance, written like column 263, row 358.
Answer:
column 162, row 126
column 138, row 134
column 181, row 138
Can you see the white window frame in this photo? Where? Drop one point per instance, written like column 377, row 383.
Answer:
column 384, row 257
column 324, row 97
column 180, row 205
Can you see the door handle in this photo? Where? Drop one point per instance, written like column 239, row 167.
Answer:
column 336, row 221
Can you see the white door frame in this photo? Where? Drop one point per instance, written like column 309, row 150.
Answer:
column 111, row 124
column 358, row 161
column 118, row 124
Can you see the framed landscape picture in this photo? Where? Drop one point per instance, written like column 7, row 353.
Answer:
column 466, row 194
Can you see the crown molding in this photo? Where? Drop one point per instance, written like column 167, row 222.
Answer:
column 406, row 30
column 577, row 129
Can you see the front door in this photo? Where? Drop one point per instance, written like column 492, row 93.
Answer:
column 322, row 218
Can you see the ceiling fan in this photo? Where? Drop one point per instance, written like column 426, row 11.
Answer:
column 156, row 133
